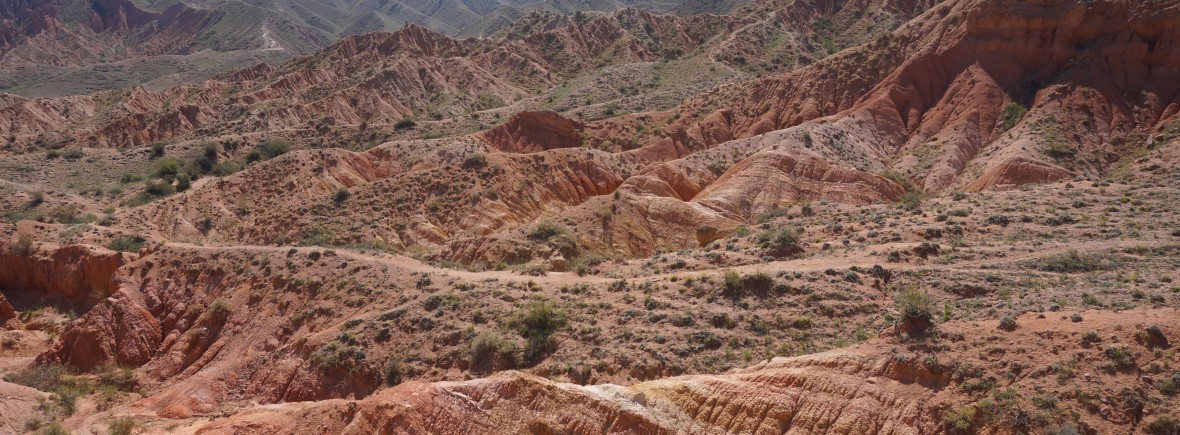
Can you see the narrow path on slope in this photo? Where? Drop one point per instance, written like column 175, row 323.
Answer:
column 864, row 260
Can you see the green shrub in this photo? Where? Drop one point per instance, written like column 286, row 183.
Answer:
column 66, row 214
column 40, row 377
column 1169, row 386
column 735, row 286
column 900, row 179
column 781, row 242
column 537, row 324
column 203, row 164
column 916, row 308
column 911, row 201
column 126, row 243
column 718, row 167
column 1008, row 323
column 152, row 191
column 1060, row 149
column 56, row 379
column 227, row 168
column 341, row 195
column 118, row 378
column 959, row 420
column 405, row 124
column 210, row 151
column 35, row 200
column 1072, row 261
column 475, row 161
column 219, row 310
column 158, row 149
column 546, row 231
column 611, row 109
column 130, row 178
column 73, row 153
column 1164, row 425
column 53, row 429
column 166, row 168
column 1000, row 220
column 1060, row 219
column 183, row 182
column 1012, row 114
column 122, row 426
column 731, row 281
column 268, row 150
column 491, row 351
column 1121, row 357
column 705, row 340
column 337, row 356
column 23, row 246
column 959, row 212
column 393, row 371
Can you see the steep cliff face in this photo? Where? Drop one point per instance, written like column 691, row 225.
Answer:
column 65, row 273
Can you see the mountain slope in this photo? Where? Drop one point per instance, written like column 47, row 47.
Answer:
column 917, row 115
column 72, row 38
column 66, row 47
column 903, row 216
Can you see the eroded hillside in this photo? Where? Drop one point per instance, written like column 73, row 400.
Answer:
column 803, row 216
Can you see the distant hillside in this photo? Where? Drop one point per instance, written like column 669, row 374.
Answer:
column 338, row 18
column 66, row 47
column 54, row 48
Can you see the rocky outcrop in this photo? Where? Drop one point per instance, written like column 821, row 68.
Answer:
column 202, row 334
column 872, row 388
column 66, row 273
column 804, row 395
column 1017, row 171
column 530, row 132
column 7, row 313
column 116, row 330
column 940, row 98
column 766, row 180
column 78, row 277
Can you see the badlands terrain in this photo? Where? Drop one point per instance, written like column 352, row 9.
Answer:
column 781, row 216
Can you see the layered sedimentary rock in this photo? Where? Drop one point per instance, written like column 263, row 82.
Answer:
column 530, row 132
column 68, row 273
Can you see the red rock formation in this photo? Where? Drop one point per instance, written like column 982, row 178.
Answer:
column 6, row 311
column 530, row 132
column 68, row 273
column 767, row 180
column 42, row 35
column 375, row 78
column 867, row 389
column 799, row 396
column 928, row 98
column 116, row 330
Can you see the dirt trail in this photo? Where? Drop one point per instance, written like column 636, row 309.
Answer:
column 860, row 259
